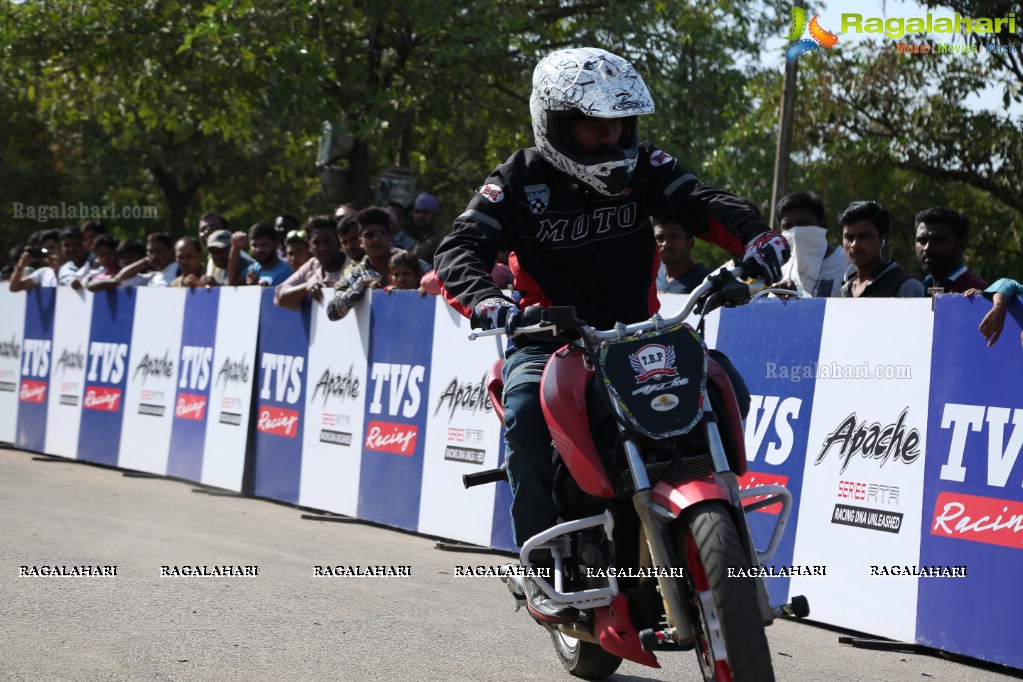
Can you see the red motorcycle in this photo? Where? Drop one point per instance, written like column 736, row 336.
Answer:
column 649, row 442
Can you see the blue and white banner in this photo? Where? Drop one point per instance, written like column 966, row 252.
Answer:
column 863, row 482
column 113, row 317
column 231, row 393
column 36, row 353
column 149, row 402
column 397, row 391
column 973, row 488
column 67, row 377
column 283, row 347
column 334, row 410
column 775, row 345
column 464, row 434
column 195, row 375
column 12, row 336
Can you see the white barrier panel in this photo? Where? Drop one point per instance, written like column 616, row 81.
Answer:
column 67, row 379
column 234, row 363
column 12, row 336
column 334, row 410
column 463, row 434
column 864, row 472
column 152, row 380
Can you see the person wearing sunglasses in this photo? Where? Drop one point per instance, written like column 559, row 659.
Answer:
column 296, row 248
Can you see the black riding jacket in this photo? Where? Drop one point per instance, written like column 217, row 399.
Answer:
column 568, row 245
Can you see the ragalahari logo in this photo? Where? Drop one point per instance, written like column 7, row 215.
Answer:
column 820, row 37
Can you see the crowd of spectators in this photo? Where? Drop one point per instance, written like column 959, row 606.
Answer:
column 389, row 247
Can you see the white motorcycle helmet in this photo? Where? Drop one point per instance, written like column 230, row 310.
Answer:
column 592, row 82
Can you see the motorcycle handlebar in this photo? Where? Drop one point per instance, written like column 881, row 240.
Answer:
column 712, row 284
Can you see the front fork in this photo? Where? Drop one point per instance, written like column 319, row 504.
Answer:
column 655, row 520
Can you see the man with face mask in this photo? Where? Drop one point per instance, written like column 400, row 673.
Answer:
column 816, row 267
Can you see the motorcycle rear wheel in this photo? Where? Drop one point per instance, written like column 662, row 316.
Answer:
column 584, row 659
column 725, row 608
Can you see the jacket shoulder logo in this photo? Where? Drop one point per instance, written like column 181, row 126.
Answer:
column 538, row 197
column 491, row 192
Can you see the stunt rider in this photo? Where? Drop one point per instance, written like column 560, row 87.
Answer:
column 574, row 213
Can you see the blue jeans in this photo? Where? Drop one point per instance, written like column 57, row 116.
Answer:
column 528, row 449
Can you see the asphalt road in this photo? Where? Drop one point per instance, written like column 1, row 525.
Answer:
column 287, row 623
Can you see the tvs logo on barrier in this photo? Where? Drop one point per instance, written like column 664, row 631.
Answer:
column 653, row 360
column 337, row 385
column 277, row 421
column 388, row 437
column 886, row 443
column 196, row 368
column 978, row 519
column 465, row 396
column 36, row 361
column 190, row 407
column 820, row 37
column 33, row 391
column 403, row 392
column 106, row 362
column 1001, row 456
column 282, row 378
column 767, row 410
column 102, row 398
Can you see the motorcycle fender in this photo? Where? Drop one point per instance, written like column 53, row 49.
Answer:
column 676, row 497
column 618, row 636
column 563, row 397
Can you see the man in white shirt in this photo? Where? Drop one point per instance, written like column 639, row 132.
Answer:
column 76, row 257
column 816, row 267
column 159, row 261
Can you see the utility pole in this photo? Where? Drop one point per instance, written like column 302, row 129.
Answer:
column 779, row 187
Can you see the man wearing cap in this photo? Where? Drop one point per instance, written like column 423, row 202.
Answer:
column 424, row 219
column 218, row 243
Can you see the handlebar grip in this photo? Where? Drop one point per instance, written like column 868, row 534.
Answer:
column 484, row 477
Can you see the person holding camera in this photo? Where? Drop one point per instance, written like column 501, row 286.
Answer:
column 38, row 264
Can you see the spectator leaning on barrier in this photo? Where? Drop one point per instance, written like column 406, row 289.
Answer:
column 157, row 269
column 268, row 270
column 218, row 244
column 105, row 249
column 816, row 267
column 39, row 262
column 1001, row 293
column 296, row 248
column 678, row 274
column 91, row 231
column 373, row 271
column 941, row 236
column 76, row 257
column 188, row 256
column 321, row 271
column 351, row 244
column 406, row 271
column 425, row 212
column 864, row 236
column 209, row 224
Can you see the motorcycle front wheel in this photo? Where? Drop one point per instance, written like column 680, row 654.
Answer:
column 730, row 641
column 584, row 659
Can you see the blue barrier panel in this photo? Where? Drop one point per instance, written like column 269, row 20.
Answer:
column 37, row 351
column 973, row 488
column 99, row 436
column 775, row 345
column 195, row 374
column 282, row 353
column 400, row 348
